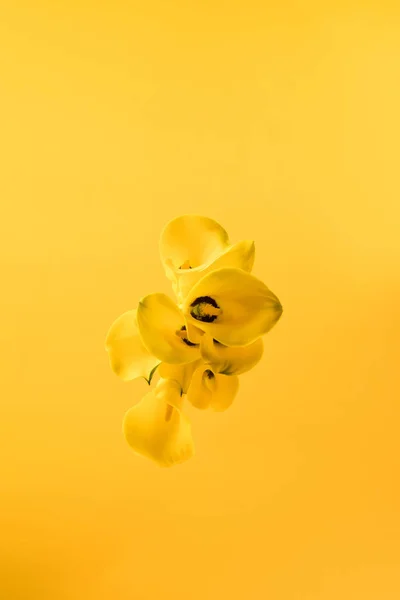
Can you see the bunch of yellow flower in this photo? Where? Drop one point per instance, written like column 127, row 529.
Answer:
column 199, row 344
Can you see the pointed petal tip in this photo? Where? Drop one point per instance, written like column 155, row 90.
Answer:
column 247, row 246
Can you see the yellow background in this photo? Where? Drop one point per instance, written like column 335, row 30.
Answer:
column 281, row 121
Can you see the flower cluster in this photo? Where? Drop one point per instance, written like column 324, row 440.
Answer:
column 198, row 344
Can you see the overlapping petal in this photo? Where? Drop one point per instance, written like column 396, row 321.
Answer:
column 232, row 306
column 212, row 390
column 240, row 256
column 157, row 429
column 129, row 358
column 180, row 374
column 162, row 329
column 230, row 360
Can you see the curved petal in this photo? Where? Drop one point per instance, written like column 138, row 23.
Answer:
column 190, row 241
column 240, row 256
column 170, row 390
column 162, row 329
column 159, row 431
column 194, row 334
column 212, row 390
column 230, row 360
column 225, row 390
column 129, row 358
column 180, row 374
column 232, row 306
column 199, row 393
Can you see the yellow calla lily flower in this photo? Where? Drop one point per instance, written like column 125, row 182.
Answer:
column 129, row 358
column 190, row 241
column 232, row 306
column 156, row 427
column 163, row 331
column 198, row 346
column 230, row 360
column 212, row 390
column 191, row 246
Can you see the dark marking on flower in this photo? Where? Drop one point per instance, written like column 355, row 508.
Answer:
column 185, row 339
column 185, row 265
column 204, row 309
column 209, row 374
column 205, row 300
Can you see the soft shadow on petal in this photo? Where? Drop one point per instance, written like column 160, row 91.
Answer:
column 170, row 390
column 225, row 390
column 161, row 324
column 232, row 306
column 240, row 256
column 182, row 374
column 194, row 334
column 157, row 430
column 129, row 358
column 199, row 393
column 212, row 390
column 192, row 240
column 230, row 360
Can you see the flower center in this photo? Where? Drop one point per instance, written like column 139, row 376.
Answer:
column 209, row 380
column 205, row 309
column 182, row 335
column 186, row 264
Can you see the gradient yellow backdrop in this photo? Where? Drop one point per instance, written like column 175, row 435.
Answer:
column 281, row 121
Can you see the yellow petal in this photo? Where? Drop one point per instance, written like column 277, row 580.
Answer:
column 199, row 393
column 240, row 256
column 212, row 390
column 232, row 306
column 161, row 325
column 190, row 241
column 129, row 358
column 170, row 390
column 230, row 360
column 194, row 334
column 158, row 430
column 225, row 390
column 181, row 374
